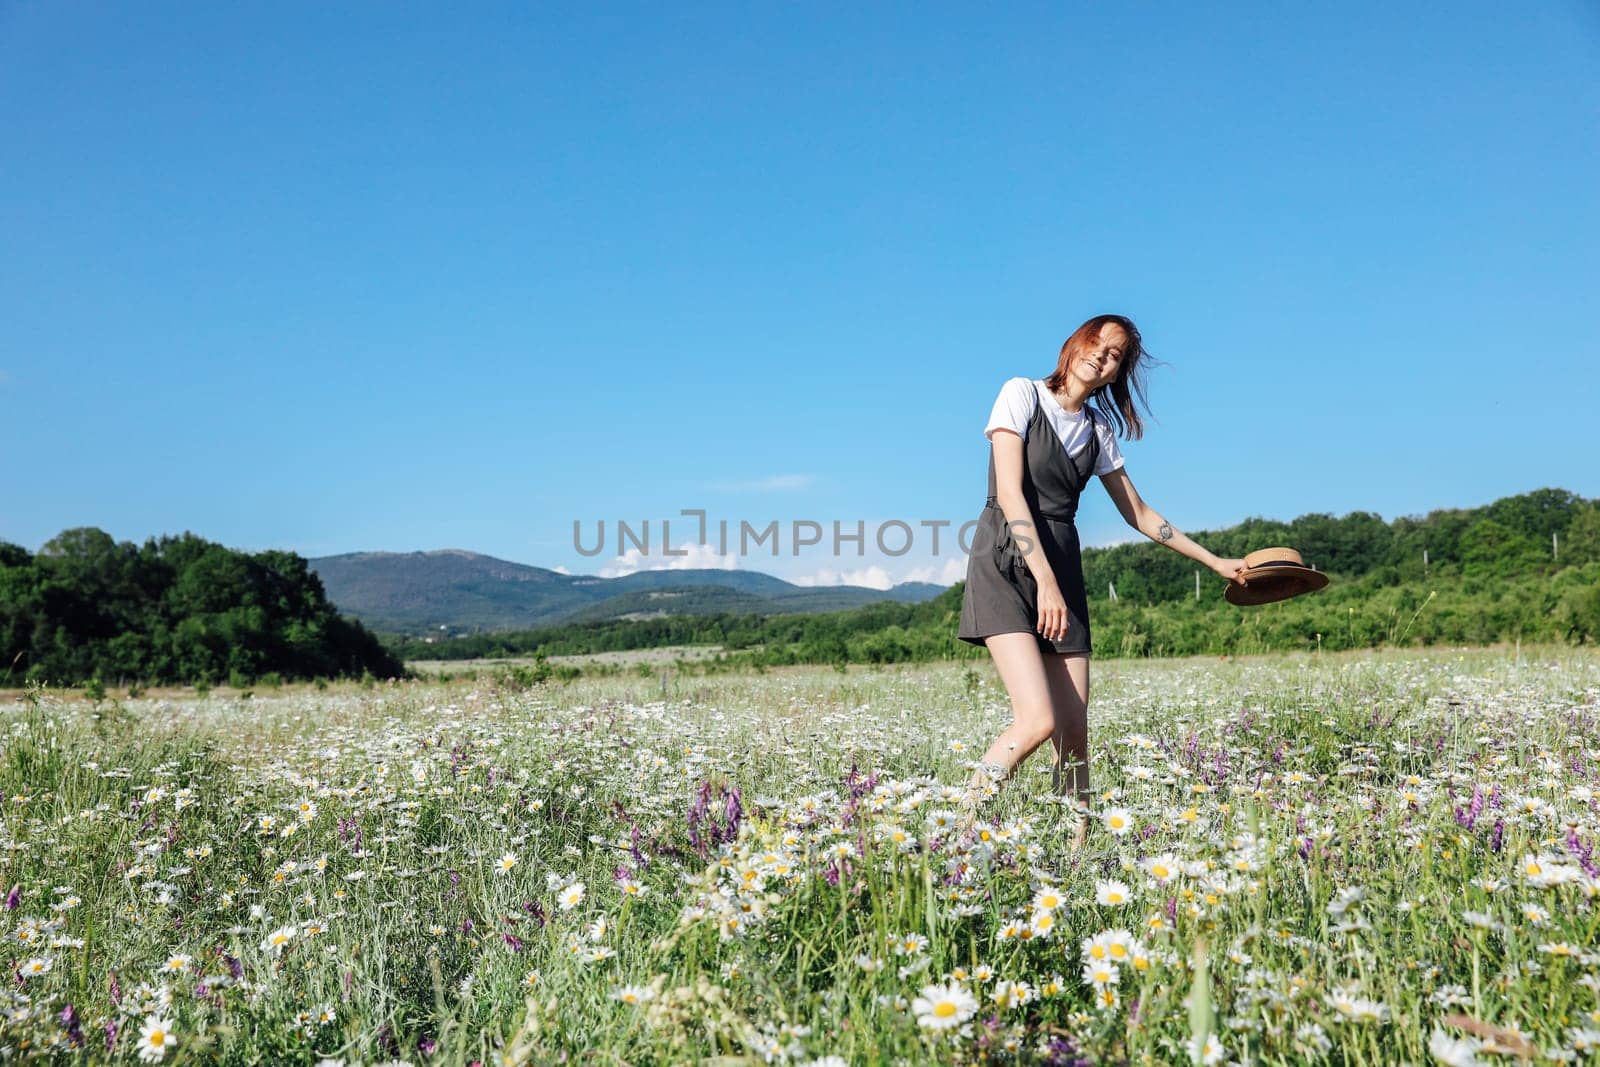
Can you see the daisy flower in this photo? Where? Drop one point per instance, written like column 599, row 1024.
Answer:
column 634, row 994
column 1207, row 1052
column 571, row 896
column 277, row 939
column 1454, row 1052
column 941, row 1007
column 504, row 864
column 1048, row 898
column 1118, row 821
column 1009, row 994
column 1108, row 946
column 155, row 1037
column 1111, row 894
column 1163, row 868
column 1139, row 956
column 911, row 944
column 1360, row 1009
column 1098, row 974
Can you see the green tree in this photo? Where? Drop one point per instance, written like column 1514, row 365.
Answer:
column 1491, row 548
column 1581, row 542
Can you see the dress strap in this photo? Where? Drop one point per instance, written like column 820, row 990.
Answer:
column 1094, row 437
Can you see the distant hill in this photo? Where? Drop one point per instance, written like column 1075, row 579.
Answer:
column 459, row 591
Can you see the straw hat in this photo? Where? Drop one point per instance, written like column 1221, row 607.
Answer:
column 1273, row 574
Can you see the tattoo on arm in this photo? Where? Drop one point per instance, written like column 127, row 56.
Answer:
column 1164, row 531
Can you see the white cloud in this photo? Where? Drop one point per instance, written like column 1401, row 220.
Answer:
column 875, row 576
column 948, row 572
column 772, row 483
column 697, row 557
column 871, row 577
column 560, row 570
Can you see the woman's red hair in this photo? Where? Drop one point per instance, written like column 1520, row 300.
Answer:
column 1116, row 399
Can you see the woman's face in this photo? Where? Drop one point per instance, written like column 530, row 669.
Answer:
column 1098, row 364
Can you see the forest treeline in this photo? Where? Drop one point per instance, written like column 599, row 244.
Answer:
column 1525, row 567
column 186, row 610
column 1534, row 533
column 174, row 610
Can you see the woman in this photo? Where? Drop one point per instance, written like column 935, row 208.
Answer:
column 1025, row 599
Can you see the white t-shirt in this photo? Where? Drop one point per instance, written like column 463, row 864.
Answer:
column 1015, row 406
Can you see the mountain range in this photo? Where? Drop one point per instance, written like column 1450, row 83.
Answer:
column 453, row 591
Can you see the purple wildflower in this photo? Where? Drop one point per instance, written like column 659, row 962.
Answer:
column 706, row 829
column 1059, row 1051
column 1469, row 818
column 72, row 1025
column 1583, row 852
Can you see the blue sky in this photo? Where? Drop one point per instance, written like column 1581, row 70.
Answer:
column 374, row 276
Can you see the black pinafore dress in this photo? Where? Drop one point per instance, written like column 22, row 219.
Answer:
column 1002, row 595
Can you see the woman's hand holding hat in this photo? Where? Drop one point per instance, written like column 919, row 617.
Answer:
column 1228, row 568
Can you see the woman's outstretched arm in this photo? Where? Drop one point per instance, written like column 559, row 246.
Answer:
column 1148, row 521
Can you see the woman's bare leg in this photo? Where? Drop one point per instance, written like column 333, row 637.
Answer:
column 1022, row 671
column 1068, row 676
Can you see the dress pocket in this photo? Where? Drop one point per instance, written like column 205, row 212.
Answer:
column 1006, row 554
column 1013, row 563
column 1009, row 559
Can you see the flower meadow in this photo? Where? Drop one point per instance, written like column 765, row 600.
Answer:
column 1367, row 858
